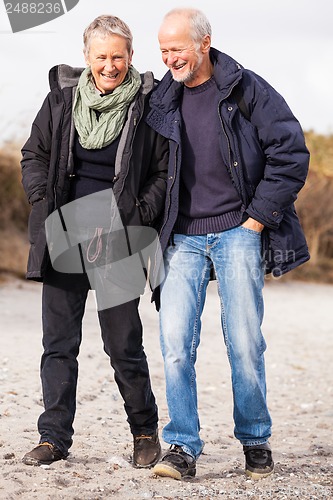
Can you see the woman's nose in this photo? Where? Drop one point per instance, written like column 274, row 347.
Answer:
column 109, row 64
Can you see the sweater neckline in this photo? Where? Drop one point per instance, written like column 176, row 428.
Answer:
column 200, row 88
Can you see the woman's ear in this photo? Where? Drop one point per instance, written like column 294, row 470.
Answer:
column 130, row 58
column 86, row 57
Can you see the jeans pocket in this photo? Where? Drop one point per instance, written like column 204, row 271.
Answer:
column 250, row 231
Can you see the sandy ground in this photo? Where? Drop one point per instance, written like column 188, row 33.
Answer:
column 298, row 330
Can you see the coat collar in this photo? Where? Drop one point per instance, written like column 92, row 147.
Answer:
column 62, row 76
column 227, row 73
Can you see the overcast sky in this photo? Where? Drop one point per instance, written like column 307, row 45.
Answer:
column 287, row 42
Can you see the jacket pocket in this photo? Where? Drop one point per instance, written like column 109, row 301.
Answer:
column 143, row 211
column 38, row 215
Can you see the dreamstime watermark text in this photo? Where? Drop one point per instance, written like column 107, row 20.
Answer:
column 23, row 15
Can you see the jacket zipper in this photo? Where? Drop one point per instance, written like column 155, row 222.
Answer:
column 227, row 139
column 135, row 121
column 229, row 148
column 169, row 191
column 168, row 208
column 58, row 160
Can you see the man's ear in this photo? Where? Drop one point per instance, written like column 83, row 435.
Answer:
column 205, row 44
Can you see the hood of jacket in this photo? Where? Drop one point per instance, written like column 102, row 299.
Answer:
column 64, row 76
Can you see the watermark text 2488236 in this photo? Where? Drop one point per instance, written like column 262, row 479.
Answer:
column 25, row 15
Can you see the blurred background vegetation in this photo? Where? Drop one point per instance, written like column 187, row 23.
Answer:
column 14, row 212
column 314, row 206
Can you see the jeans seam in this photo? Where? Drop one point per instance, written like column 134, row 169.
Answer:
column 224, row 323
column 194, row 340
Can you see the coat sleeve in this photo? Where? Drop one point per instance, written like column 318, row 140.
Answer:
column 152, row 194
column 36, row 155
column 286, row 155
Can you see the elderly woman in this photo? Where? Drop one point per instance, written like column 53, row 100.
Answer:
column 91, row 121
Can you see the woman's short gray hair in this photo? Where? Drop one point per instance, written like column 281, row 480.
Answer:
column 104, row 26
column 198, row 22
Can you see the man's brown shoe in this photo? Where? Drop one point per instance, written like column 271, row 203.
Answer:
column 43, row 454
column 147, row 450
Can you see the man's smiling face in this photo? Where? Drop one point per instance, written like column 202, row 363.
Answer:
column 179, row 51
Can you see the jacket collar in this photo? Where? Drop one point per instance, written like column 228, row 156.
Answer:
column 62, row 76
column 227, row 73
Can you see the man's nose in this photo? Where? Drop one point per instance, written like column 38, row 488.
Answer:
column 171, row 58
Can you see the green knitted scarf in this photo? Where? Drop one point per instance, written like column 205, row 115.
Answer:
column 96, row 133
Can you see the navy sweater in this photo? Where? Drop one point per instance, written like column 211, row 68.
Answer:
column 94, row 169
column 208, row 200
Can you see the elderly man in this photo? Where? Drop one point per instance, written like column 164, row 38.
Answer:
column 237, row 161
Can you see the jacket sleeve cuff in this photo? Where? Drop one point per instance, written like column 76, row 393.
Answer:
column 270, row 218
column 36, row 197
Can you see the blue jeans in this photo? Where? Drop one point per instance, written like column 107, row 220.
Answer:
column 236, row 257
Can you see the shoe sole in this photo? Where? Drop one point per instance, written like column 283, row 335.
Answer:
column 31, row 461
column 166, row 471
column 37, row 463
column 148, row 466
column 34, row 461
column 258, row 475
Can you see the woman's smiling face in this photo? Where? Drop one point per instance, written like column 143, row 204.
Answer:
column 109, row 60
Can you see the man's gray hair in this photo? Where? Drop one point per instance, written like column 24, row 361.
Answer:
column 199, row 24
column 104, row 26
